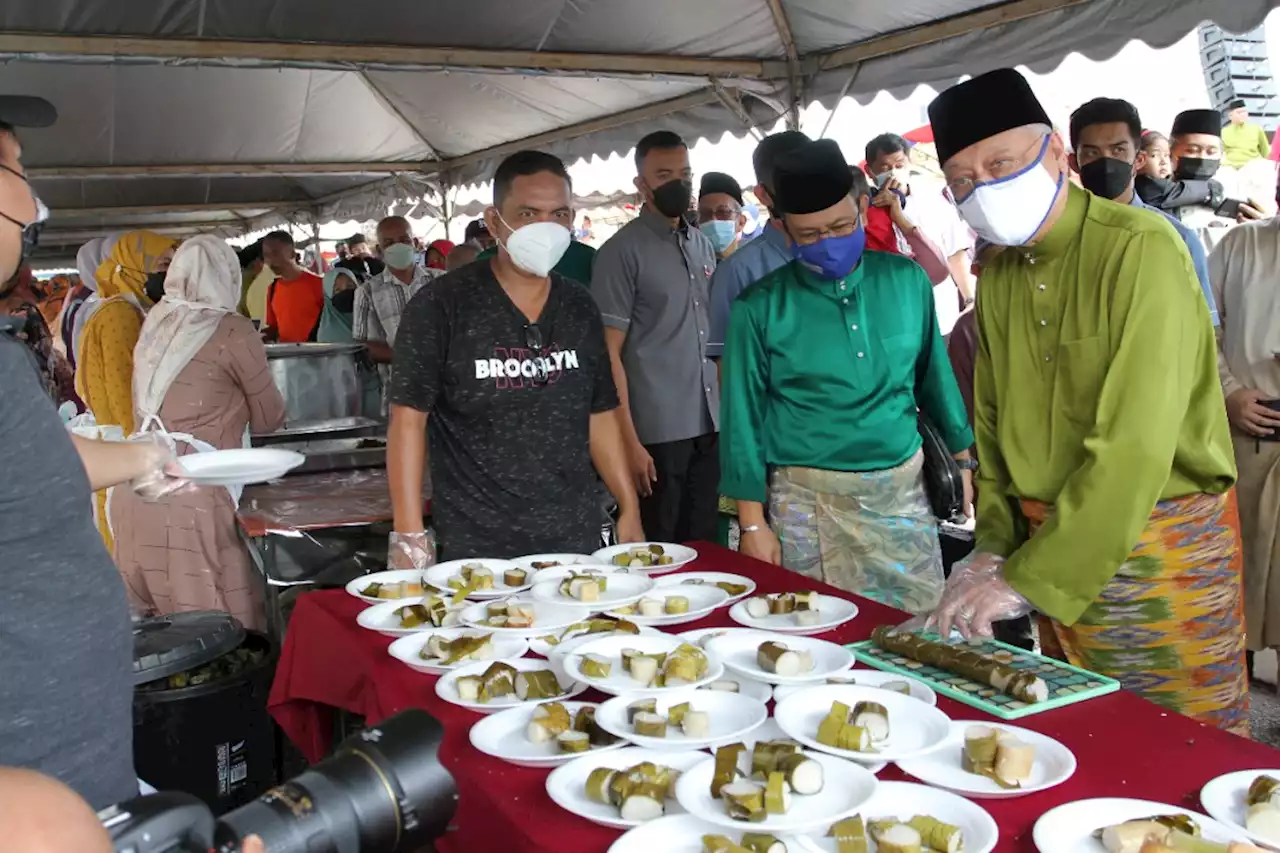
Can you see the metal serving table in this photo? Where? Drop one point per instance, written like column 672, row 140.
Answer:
column 318, row 530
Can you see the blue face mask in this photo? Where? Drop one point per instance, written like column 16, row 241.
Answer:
column 721, row 233
column 833, row 257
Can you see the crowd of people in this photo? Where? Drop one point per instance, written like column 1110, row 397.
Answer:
column 1109, row 405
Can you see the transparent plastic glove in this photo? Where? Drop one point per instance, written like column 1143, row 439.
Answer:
column 411, row 550
column 976, row 595
column 162, row 475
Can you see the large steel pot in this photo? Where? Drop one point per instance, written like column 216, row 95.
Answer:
column 320, row 382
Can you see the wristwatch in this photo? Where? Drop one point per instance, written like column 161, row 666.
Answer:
column 969, row 464
column 751, row 528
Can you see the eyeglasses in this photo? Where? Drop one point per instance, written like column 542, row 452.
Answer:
column 30, row 230
column 961, row 187
column 839, row 229
column 706, row 214
column 533, row 341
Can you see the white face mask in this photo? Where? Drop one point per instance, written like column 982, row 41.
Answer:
column 901, row 174
column 538, row 246
column 1009, row 211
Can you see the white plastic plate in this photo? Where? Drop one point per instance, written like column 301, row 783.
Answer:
column 732, row 716
column 702, row 637
column 1069, row 828
column 904, row 800
column 677, row 833
column 392, row 576
column 620, row 590
column 408, row 650
column 710, row 578
column 502, row 735
column 832, row 610
column 757, row 690
column 680, row 555
column 239, row 467
column 771, row 731
column 914, row 727
column 446, row 689
column 620, row 682
column 738, row 653
column 547, row 618
column 540, row 646
column 768, row 730
column 1223, row 799
column 864, row 678
column 528, row 560
column 941, row 768
column 382, row 618
column 439, row 575
column 566, row 785
column 846, row 788
column 702, row 600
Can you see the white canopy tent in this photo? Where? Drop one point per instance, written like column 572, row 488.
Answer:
column 188, row 115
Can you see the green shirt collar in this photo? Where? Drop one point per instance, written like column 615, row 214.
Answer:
column 1067, row 229
column 834, row 289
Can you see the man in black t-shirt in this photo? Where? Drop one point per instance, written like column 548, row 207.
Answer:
column 501, row 368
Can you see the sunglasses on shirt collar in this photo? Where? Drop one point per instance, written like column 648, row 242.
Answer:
column 533, row 341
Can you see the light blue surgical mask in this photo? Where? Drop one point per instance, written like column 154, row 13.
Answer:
column 398, row 256
column 721, row 233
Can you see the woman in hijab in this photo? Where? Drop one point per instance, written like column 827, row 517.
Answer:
column 104, row 346
column 104, row 362
column 438, row 254
column 339, row 302
column 87, row 261
column 200, row 375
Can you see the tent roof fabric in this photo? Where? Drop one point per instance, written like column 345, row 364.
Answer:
column 250, row 111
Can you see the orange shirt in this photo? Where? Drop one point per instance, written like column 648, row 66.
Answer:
column 294, row 306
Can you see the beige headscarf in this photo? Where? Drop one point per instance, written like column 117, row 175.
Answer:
column 202, row 285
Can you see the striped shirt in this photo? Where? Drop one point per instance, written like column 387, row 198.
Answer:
column 380, row 302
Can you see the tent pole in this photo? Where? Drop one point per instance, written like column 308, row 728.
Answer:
column 844, row 90
column 445, row 207
column 315, row 239
column 794, row 82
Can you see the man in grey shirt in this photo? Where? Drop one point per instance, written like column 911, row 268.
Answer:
column 651, row 282
column 66, row 645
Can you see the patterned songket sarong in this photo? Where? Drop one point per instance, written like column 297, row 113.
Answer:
column 871, row 533
column 1170, row 625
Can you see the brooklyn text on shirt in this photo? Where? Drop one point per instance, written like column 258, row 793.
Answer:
column 511, row 366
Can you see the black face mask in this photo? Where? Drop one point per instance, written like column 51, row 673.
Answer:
column 1106, row 177
column 1196, row 168
column 672, row 198
column 155, row 286
column 345, row 301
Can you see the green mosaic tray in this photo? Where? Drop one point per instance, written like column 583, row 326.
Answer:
column 1067, row 684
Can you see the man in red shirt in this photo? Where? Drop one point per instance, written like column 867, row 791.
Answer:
column 295, row 299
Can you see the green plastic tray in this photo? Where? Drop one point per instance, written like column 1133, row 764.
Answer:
column 1067, row 684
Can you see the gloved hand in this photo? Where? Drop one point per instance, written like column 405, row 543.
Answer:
column 976, row 595
column 161, row 474
column 411, row 550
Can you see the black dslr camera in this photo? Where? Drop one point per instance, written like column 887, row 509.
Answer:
column 383, row 791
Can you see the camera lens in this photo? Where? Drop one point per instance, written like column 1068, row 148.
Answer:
column 383, row 791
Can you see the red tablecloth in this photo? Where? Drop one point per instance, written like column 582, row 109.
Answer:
column 1126, row 747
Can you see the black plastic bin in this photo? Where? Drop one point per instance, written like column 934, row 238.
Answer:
column 214, row 740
